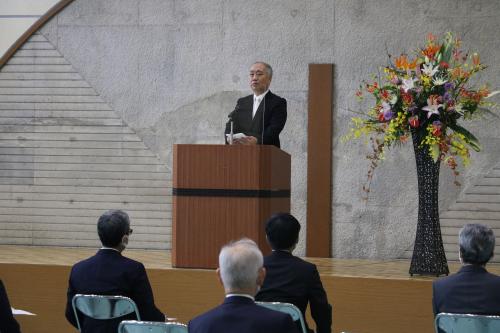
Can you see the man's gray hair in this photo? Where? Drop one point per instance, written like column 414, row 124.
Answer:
column 477, row 243
column 239, row 264
column 268, row 67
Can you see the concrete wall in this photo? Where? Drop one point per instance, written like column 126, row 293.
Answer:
column 66, row 157
column 173, row 69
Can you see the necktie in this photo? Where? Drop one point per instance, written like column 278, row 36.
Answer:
column 256, row 102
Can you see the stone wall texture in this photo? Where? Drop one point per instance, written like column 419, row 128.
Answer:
column 171, row 70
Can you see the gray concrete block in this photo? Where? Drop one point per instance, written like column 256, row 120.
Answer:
column 37, row 46
column 199, row 12
column 37, row 61
column 157, row 12
column 48, row 91
column 100, row 13
column 43, row 84
column 36, row 53
column 39, row 76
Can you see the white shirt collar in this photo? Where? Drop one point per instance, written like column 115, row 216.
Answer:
column 109, row 248
column 261, row 96
column 240, row 295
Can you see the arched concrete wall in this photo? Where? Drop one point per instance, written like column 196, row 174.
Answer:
column 173, row 69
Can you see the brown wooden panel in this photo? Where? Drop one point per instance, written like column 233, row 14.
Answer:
column 230, row 167
column 372, row 305
column 319, row 161
column 201, row 223
column 375, row 305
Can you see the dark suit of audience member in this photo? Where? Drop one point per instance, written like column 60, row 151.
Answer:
column 241, row 272
column 472, row 289
column 110, row 273
column 7, row 322
column 270, row 106
column 290, row 279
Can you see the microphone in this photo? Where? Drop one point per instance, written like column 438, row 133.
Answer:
column 230, row 116
column 232, row 113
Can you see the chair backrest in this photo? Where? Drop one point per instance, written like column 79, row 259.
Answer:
column 466, row 323
column 133, row 326
column 103, row 307
column 289, row 308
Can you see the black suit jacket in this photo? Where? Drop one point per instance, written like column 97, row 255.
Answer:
column 241, row 315
column 7, row 322
column 293, row 280
column 110, row 273
column 274, row 119
column 471, row 290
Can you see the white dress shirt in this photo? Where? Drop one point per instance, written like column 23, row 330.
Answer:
column 256, row 102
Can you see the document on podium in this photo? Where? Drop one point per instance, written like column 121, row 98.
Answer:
column 237, row 136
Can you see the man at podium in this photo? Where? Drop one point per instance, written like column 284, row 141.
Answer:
column 258, row 118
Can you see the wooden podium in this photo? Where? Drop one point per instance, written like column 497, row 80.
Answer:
column 222, row 193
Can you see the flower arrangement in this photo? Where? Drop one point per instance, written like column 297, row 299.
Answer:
column 425, row 95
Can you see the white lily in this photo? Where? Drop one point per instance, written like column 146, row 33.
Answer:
column 429, row 70
column 408, row 84
column 393, row 99
column 432, row 107
column 439, row 80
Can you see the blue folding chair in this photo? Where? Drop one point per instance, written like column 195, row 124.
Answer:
column 103, row 307
column 134, row 326
column 466, row 323
column 289, row 308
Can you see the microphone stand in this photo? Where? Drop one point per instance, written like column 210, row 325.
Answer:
column 231, row 133
column 263, row 119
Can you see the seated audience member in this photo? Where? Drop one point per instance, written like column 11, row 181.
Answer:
column 7, row 322
column 108, row 272
column 472, row 289
column 290, row 279
column 241, row 273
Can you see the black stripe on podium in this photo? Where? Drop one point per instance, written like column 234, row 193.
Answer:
column 202, row 192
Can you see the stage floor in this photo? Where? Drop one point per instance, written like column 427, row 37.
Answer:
column 154, row 259
column 368, row 296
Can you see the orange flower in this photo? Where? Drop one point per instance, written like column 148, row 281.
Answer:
column 372, row 88
column 402, row 63
column 458, row 73
column 452, row 163
column 475, row 59
column 483, row 92
column 431, row 50
column 464, row 93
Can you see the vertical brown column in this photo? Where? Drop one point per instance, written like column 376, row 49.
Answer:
column 319, row 161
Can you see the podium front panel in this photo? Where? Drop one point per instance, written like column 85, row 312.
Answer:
column 223, row 193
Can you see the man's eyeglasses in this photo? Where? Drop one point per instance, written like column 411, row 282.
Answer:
column 130, row 231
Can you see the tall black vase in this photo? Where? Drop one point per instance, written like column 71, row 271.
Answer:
column 428, row 253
